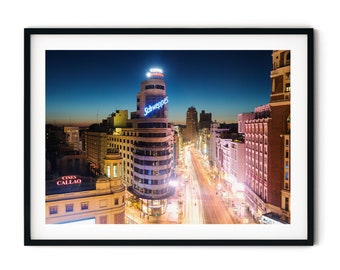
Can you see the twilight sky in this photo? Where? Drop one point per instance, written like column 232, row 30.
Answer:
column 84, row 87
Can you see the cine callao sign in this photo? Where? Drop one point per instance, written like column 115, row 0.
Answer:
column 156, row 106
column 68, row 180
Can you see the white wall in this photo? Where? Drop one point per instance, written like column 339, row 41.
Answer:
column 15, row 15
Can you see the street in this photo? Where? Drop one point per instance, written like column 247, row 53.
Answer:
column 210, row 203
column 200, row 198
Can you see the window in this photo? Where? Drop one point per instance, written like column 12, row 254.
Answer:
column 159, row 86
column 77, row 165
column 69, row 207
column 116, row 201
column 84, row 205
column 70, row 165
column 115, row 170
column 53, row 210
column 103, row 220
column 287, row 176
column 150, row 86
column 288, row 58
column 287, row 204
column 108, row 171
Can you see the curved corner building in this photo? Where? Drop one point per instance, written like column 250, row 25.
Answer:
column 153, row 146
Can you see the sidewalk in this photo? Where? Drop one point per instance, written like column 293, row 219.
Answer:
column 236, row 207
column 134, row 216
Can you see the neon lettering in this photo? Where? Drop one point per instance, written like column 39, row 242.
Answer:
column 156, row 106
column 69, row 177
column 69, row 180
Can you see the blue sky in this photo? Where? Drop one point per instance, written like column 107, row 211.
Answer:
column 83, row 87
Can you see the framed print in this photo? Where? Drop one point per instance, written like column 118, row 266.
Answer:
column 168, row 136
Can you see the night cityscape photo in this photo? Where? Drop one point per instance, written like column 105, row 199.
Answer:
column 168, row 136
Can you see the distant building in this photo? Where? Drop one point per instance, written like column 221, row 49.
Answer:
column 96, row 149
column 205, row 120
column 228, row 155
column 54, row 136
column 191, row 124
column 73, row 138
column 117, row 119
column 215, row 134
column 63, row 152
column 203, row 142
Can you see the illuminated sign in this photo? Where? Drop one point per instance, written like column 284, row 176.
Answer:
column 157, row 106
column 155, row 72
column 68, row 180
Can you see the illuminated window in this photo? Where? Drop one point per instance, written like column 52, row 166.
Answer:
column 84, row 205
column 108, row 171
column 69, row 207
column 53, row 210
column 115, row 173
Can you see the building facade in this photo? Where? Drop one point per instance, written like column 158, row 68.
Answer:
column 147, row 146
column 214, row 138
column 96, row 149
column 76, row 198
column 267, row 140
column 153, row 148
column 229, row 158
column 117, row 119
column 241, row 119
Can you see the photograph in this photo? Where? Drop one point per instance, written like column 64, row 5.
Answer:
column 181, row 142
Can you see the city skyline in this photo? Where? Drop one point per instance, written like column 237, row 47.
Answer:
column 84, row 87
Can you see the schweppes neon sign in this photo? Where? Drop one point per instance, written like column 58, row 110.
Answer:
column 156, row 106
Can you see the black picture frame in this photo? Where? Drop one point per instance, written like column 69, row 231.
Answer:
column 306, row 239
